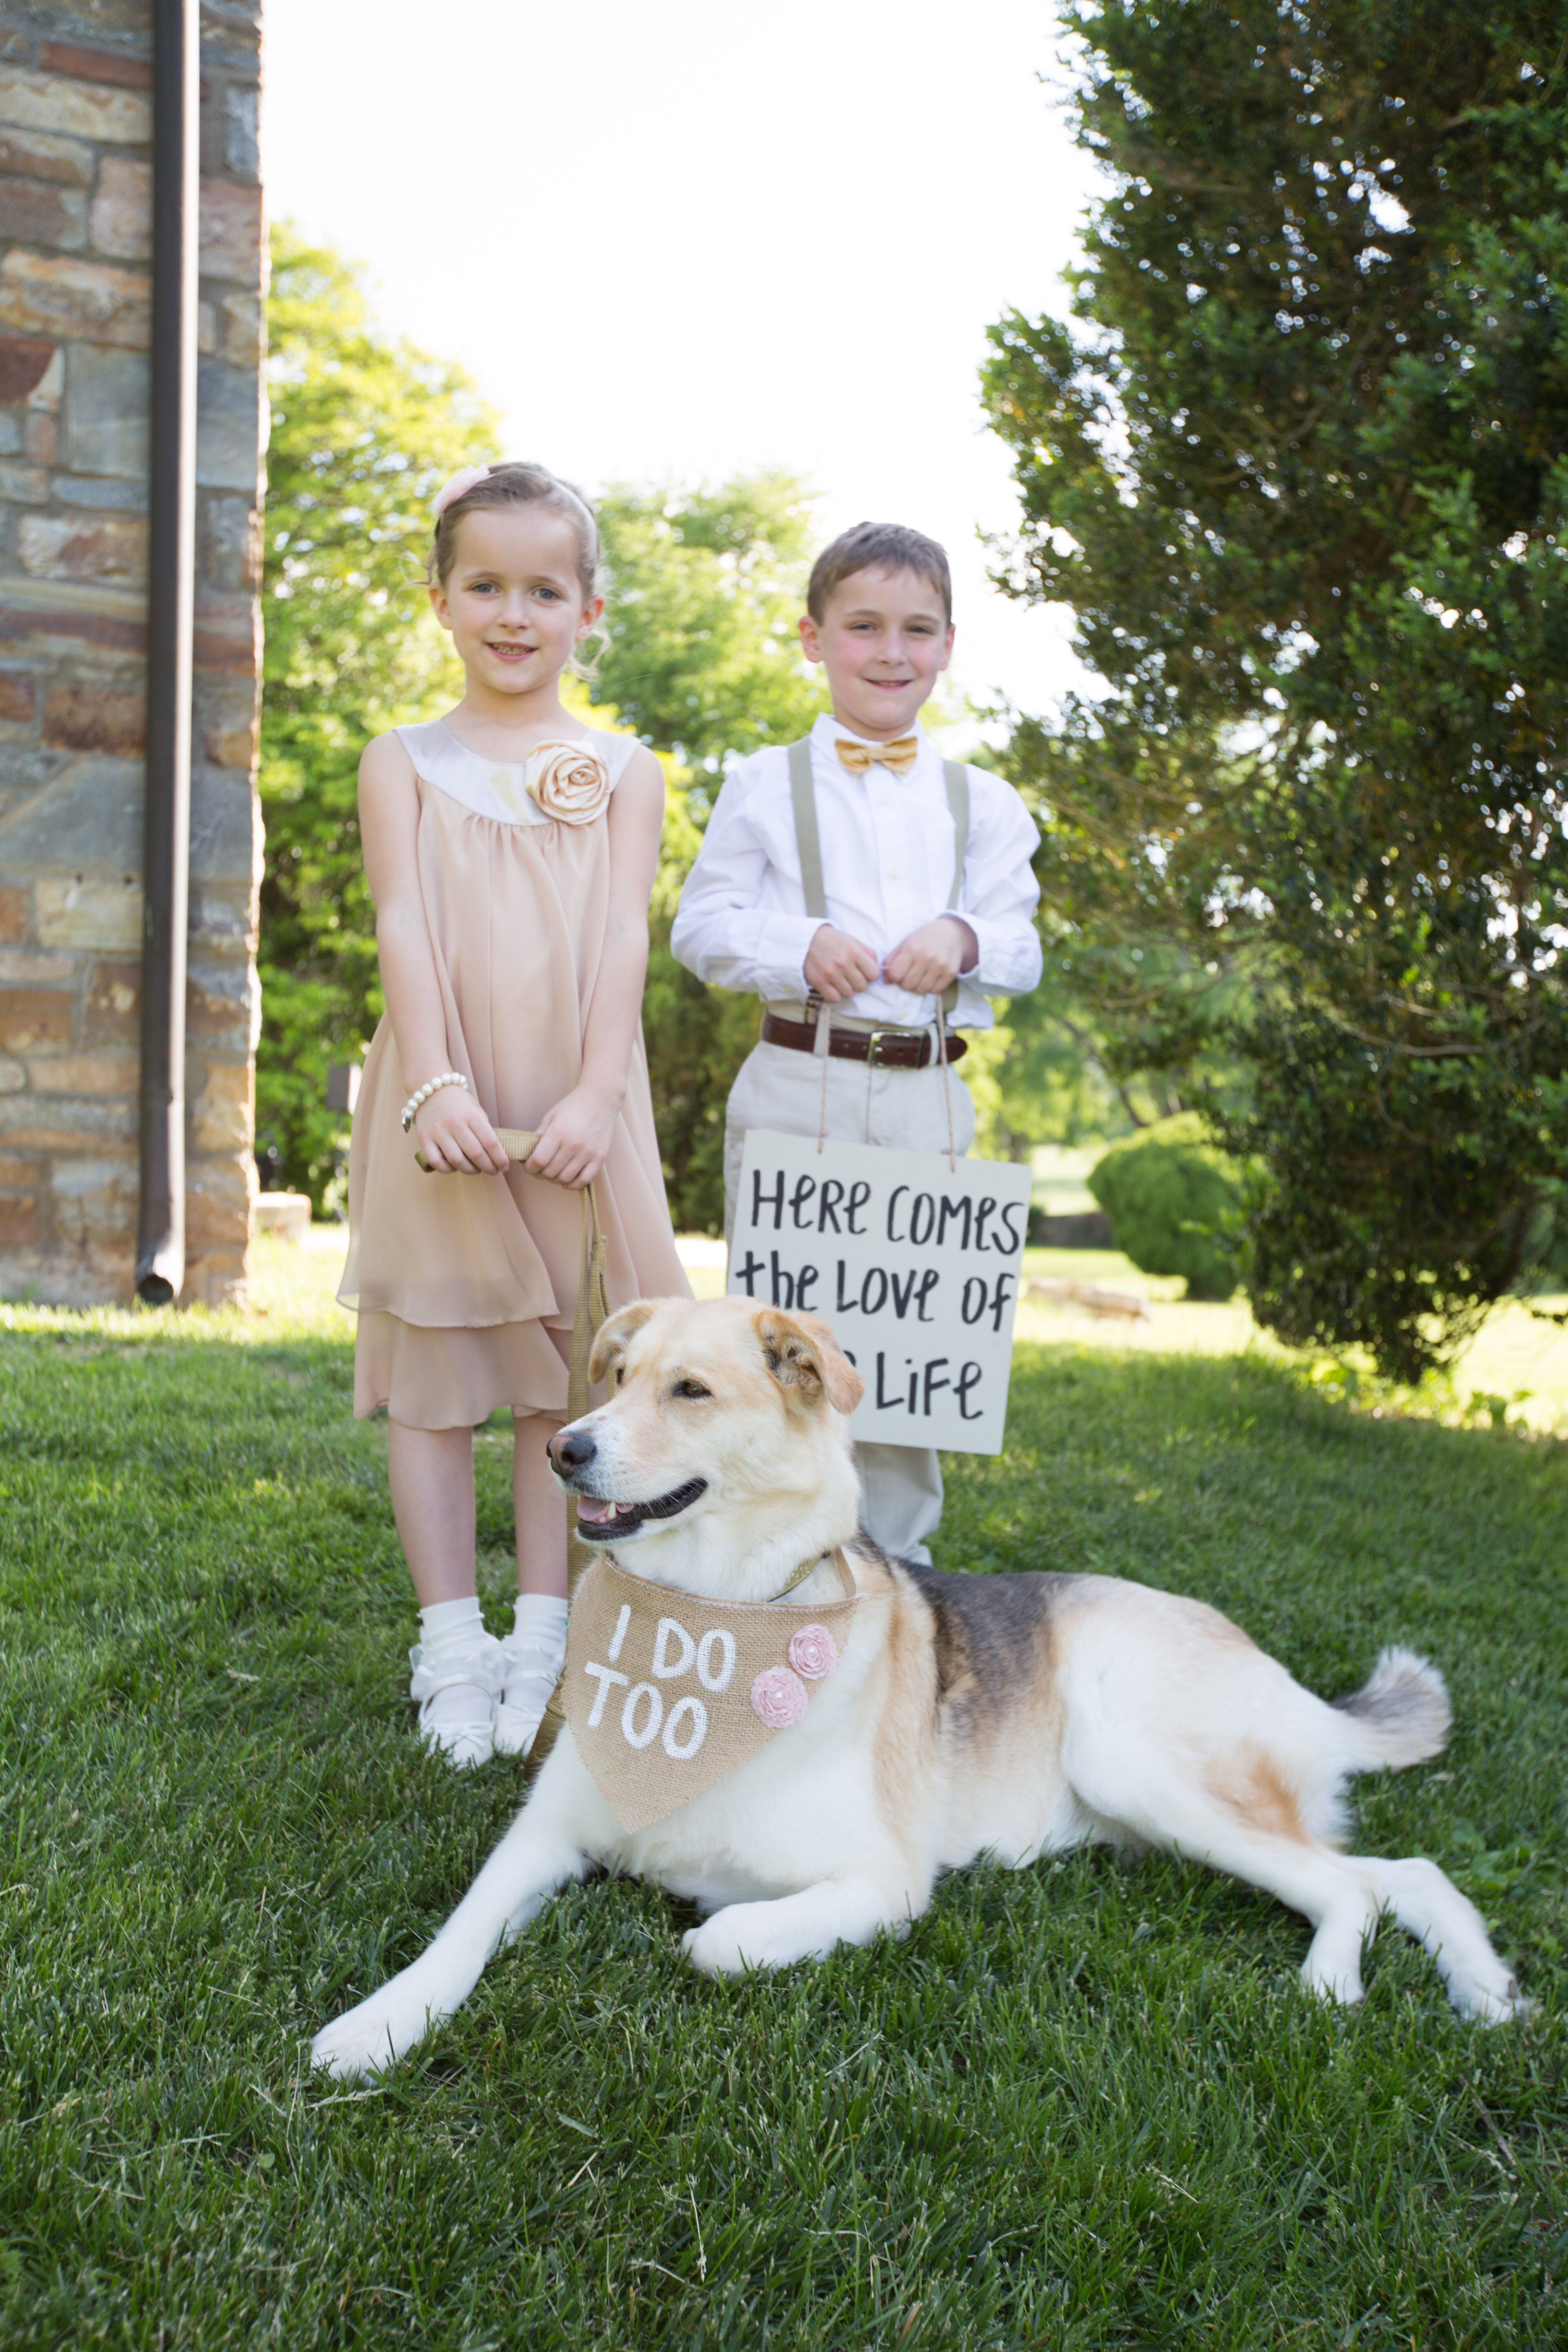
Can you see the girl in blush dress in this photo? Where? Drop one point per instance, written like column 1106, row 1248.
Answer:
column 511, row 852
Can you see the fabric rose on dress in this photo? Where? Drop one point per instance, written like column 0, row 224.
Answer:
column 568, row 781
column 778, row 1697
column 813, row 1652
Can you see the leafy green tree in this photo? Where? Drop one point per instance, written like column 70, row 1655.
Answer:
column 706, row 586
column 364, row 431
column 1301, row 469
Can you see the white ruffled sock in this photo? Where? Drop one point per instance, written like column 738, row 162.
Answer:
column 534, row 1652
column 459, row 1716
column 444, row 1617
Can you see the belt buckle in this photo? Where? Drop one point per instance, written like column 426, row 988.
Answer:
column 873, row 1045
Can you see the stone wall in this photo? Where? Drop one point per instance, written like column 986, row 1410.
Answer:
column 75, row 311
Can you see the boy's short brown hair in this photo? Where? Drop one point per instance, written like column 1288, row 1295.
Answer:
column 878, row 547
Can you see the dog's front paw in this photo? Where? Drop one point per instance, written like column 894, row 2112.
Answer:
column 1500, row 2002
column 369, row 2039
column 714, row 1949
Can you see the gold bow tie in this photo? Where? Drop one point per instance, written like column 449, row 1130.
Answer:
column 857, row 757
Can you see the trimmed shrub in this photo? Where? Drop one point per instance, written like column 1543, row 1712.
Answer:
column 1173, row 1200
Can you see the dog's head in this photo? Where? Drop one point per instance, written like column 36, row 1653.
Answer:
column 722, row 1449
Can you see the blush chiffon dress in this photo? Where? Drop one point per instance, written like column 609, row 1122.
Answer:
column 466, row 1286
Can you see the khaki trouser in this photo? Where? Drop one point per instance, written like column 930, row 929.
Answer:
column 902, row 1110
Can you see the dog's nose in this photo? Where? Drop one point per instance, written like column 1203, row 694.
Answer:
column 571, row 1449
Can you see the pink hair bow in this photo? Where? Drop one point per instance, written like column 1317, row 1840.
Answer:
column 461, row 483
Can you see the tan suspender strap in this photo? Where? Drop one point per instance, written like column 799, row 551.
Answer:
column 808, row 840
column 955, row 776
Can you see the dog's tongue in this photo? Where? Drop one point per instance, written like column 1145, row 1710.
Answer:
column 595, row 1513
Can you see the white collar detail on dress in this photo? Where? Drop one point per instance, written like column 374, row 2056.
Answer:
column 495, row 788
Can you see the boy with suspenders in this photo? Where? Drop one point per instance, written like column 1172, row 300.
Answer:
column 870, row 893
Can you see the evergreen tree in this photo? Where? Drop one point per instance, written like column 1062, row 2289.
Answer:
column 1301, row 469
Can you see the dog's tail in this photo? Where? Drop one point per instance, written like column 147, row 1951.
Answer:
column 1401, row 1715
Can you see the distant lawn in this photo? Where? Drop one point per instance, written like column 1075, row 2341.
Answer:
column 1082, row 2106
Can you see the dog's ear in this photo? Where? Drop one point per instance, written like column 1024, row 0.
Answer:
column 801, row 1353
column 614, row 1335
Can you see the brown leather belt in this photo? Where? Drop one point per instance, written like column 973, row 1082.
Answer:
column 885, row 1049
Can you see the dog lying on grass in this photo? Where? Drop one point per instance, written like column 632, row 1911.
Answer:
column 967, row 1715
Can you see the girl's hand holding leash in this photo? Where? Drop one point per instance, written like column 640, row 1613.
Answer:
column 454, row 1135
column 575, row 1139
column 931, row 958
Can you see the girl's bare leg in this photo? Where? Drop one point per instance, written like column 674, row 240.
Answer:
column 540, row 1507
column 536, row 1650
column 431, row 1474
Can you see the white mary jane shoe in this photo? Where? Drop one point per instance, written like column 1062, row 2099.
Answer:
column 472, row 1662
column 531, row 1667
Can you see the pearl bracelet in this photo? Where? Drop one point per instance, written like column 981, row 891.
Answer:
column 447, row 1079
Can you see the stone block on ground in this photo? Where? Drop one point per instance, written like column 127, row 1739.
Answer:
column 287, row 1214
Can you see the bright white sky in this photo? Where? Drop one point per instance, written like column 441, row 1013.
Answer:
column 679, row 240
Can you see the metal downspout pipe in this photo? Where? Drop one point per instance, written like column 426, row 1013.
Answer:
column 176, row 122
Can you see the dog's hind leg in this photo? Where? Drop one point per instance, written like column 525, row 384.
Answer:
column 1429, row 1906
column 531, row 1862
column 1255, row 1834
column 802, row 1927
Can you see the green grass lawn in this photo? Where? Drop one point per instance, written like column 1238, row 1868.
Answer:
column 1082, row 2106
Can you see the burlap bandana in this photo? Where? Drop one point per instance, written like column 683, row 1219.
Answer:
column 665, row 1693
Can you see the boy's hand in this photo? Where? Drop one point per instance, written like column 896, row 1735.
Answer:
column 930, row 959
column 837, row 966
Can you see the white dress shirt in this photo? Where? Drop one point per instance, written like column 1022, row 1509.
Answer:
column 887, row 867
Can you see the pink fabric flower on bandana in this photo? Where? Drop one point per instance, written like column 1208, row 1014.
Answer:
column 813, row 1652
column 778, row 1697
column 465, row 480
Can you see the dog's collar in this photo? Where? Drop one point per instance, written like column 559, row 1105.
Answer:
column 807, row 1568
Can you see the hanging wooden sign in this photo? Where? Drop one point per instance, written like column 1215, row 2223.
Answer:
column 913, row 1261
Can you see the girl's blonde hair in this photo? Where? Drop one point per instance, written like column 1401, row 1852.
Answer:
column 521, row 483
